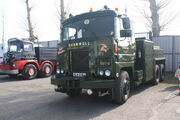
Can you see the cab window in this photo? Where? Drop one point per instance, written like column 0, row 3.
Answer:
column 28, row 47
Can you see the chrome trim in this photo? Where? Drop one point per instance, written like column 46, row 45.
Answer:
column 14, row 72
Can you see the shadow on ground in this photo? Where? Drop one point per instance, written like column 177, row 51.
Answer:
column 170, row 79
column 81, row 108
column 84, row 107
column 51, row 105
column 6, row 78
column 170, row 88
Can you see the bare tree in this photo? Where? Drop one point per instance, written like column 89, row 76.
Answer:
column 157, row 14
column 2, row 23
column 63, row 10
column 30, row 27
column 3, row 40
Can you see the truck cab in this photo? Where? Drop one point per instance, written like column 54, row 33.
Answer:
column 97, row 52
column 19, row 49
column 25, row 59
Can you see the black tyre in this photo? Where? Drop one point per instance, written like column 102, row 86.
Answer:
column 95, row 93
column 122, row 88
column 157, row 73
column 46, row 70
column 162, row 72
column 73, row 93
column 30, row 71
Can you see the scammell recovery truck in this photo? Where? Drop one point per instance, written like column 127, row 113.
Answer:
column 98, row 52
column 23, row 58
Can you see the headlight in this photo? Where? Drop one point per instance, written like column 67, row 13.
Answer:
column 62, row 71
column 108, row 73
column 57, row 71
column 101, row 73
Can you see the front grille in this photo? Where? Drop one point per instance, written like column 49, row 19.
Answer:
column 80, row 61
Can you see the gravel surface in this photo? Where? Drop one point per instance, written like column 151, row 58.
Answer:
column 36, row 100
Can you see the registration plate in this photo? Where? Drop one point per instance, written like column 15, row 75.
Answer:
column 79, row 74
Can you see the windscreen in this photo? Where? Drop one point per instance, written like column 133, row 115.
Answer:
column 15, row 47
column 88, row 28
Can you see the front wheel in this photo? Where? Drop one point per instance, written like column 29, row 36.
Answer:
column 30, row 71
column 122, row 88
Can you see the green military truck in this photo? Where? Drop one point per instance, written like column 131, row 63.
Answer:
column 99, row 53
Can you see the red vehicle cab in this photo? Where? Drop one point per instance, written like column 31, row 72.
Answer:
column 23, row 58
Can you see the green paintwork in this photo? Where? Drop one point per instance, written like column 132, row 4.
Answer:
column 145, row 60
column 137, row 58
column 83, row 83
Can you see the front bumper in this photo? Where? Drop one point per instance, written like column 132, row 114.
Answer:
column 76, row 83
column 7, row 69
column 12, row 72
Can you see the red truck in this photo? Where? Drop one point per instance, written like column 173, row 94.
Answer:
column 23, row 58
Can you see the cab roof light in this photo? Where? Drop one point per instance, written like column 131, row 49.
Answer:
column 91, row 9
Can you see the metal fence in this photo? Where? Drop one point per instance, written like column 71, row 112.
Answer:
column 52, row 43
column 171, row 46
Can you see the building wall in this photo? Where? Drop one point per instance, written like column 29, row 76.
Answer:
column 171, row 46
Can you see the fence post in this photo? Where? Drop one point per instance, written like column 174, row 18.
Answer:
column 173, row 55
column 48, row 43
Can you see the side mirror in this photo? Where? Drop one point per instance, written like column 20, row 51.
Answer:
column 126, row 23
column 125, row 33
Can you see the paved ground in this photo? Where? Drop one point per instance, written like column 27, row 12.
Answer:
column 36, row 100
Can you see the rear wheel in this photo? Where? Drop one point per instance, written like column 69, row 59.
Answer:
column 30, row 71
column 156, row 78
column 46, row 70
column 162, row 72
column 122, row 88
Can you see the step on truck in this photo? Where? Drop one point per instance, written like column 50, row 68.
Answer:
column 24, row 58
column 99, row 53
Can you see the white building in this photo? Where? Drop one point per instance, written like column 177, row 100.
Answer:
column 3, row 49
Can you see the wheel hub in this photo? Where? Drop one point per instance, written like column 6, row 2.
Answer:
column 126, row 88
column 31, row 72
column 47, row 70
